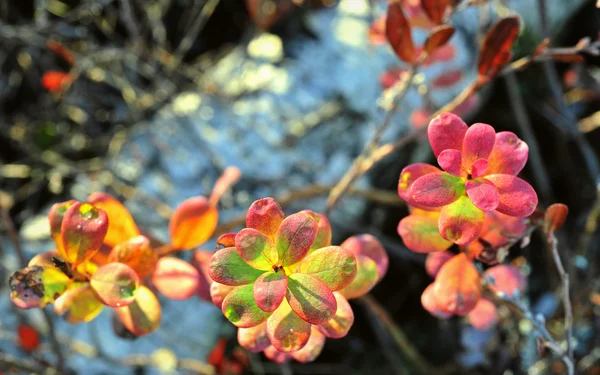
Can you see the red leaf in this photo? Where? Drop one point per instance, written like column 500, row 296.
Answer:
column 83, row 229
column 175, row 278
column 60, row 50
column 137, row 254
column 508, row 156
column 437, row 189
column 369, row 246
column 451, row 161
column 286, row 330
column 484, row 315
column 517, row 197
column 506, row 279
column 218, row 292
column 339, row 325
column 56, row 81
column 483, row 194
column 447, row 79
column 254, row 339
column 555, row 217
column 229, row 177
column 377, row 31
column 435, row 9
column 265, row 13
column 438, row 37
column 430, row 303
column 479, row 167
column 265, row 215
column 28, row 338
column 217, row 354
column 115, row 284
column 408, row 176
column 269, row 290
column 446, row 131
column 457, row 287
column 295, row 236
column 310, row 298
column 121, row 226
column 225, row 240
column 478, row 143
column 200, row 260
column 495, row 50
column 398, row 33
column 435, row 261
column 312, row 349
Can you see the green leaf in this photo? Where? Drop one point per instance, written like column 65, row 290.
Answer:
column 365, row 279
column 227, row 267
column 286, row 330
column 310, row 298
column 332, row 265
column 115, row 284
column 256, row 249
column 240, row 308
column 294, row 238
column 143, row 315
column 78, row 304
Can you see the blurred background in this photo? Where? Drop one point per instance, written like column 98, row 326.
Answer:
column 150, row 100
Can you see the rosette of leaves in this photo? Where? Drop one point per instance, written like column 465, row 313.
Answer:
column 102, row 259
column 285, row 287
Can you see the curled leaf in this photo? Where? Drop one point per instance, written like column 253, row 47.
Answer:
column 55, row 218
column 398, row 33
column 496, row 46
column 225, row 240
column 339, row 325
column 239, row 307
column 121, row 226
column 143, row 315
column 78, row 304
column 82, row 230
column 286, row 330
column 294, row 237
column 192, row 223
column 137, row 254
column 176, row 278
column 115, row 284
column 457, row 287
column 37, row 286
column 310, row 298
column 332, row 265
column 508, row 156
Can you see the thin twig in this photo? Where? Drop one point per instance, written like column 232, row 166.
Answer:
column 12, row 233
column 12, row 362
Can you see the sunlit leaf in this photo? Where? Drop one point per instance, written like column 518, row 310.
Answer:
column 55, row 218
column 555, row 217
column 78, row 304
column 256, row 249
column 254, row 339
column 269, row 290
column 517, row 197
column 478, row 143
column 457, row 287
column 323, row 237
column 201, row 260
column 121, row 225
column 435, row 9
column 397, row 30
column 115, row 284
column 218, row 292
column 438, row 37
column 366, row 278
column 446, row 131
column 451, row 161
column 484, row 315
column 265, row 215
column 119, row 328
column 227, row 267
column 28, row 338
column 228, row 178
column 408, row 176
column 437, row 189
column 483, row 194
column 505, row 279
column 37, row 286
column 333, row 265
column 175, row 278
column 286, row 330
column 240, row 308
column 339, row 325
column 83, row 229
column 143, row 315
column 312, row 349
column 137, row 254
column 509, row 154
column 460, row 222
column 435, row 261
column 56, row 81
column 429, row 302
column 420, row 234
column 192, row 223
column 294, row 237
column 310, row 298
column 369, row 246
column 225, row 240
column 496, row 46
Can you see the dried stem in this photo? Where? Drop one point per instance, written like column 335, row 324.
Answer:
column 14, row 237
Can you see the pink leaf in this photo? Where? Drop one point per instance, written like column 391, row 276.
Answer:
column 265, row 215
column 429, row 302
column 478, row 143
column 479, row 167
column 409, row 175
column 509, row 154
column 484, row 315
column 435, row 261
column 368, row 245
column 460, row 222
column 483, row 194
column 506, row 279
column 294, row 237
column 451, row 161
column 218, row 292
column 175, row 278
column 447, row 79
column 437, row 189
column 269, row 290
column 517, row 197
column 446, row 131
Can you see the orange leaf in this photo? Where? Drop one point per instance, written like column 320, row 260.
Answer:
column 398, row 33
column 56, row 81
column 438, row 37
column 435, row 9
column 495, row 50
column 555, row 217
column 457, row 288
column 143, row 315
column 121, row 226
column 192, row 223
column 60, row 50
column 229, row 177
